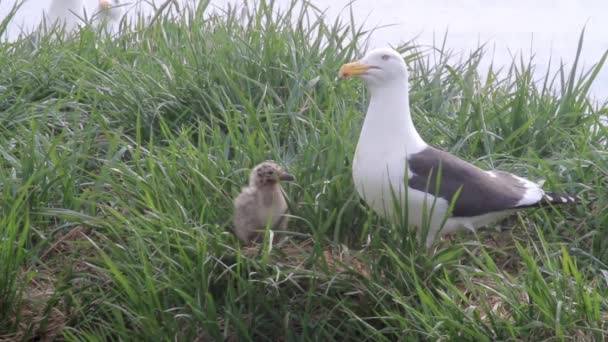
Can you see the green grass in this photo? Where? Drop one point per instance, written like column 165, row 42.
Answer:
column 121, row 156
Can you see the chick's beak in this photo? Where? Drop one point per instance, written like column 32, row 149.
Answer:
column 353, row 69
column 287, row 177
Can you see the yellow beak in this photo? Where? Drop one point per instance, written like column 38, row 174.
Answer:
column 353, row 69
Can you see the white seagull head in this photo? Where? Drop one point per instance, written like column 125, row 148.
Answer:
column 379, row 67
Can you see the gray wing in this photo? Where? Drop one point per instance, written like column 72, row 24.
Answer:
column 482, row 192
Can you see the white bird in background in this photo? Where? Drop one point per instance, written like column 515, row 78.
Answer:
column 109, row 12
column 71, row 13
column 65, row 12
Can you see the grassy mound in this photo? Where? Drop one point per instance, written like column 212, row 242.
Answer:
column 120, row 157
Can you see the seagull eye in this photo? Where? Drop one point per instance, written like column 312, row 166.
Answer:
column 385, row 57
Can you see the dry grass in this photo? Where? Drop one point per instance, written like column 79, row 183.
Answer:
column 293, row 254
column 43, row 316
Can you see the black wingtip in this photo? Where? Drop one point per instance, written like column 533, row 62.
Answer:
column 553, row 198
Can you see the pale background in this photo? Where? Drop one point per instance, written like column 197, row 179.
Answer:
column 546, row 28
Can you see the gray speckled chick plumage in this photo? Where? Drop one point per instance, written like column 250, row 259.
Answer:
column 261, row 203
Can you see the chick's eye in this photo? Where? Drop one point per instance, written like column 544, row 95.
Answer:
column 385, row 57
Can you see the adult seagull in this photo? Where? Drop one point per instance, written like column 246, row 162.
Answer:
column 389, row 146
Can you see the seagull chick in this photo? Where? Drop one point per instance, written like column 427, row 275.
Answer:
column 261, row 203
column 390, row 150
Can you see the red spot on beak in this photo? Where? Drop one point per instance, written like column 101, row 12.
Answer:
column 353, row 69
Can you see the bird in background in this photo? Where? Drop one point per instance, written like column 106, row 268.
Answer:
column 109, row 11
column 65, row 12
column 71, row 13
column 262, row 203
